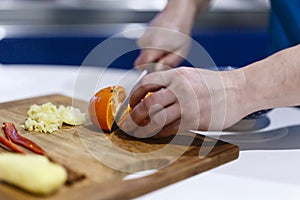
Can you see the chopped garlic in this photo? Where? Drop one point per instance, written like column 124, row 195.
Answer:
column 48, row 118
column 71, row 115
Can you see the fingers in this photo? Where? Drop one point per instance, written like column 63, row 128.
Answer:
column 174, row 96
column 165, row 60
column 169, row 130
column 150, row 83
column 148, row 106
column 169, row 60
column 159, row 119
column 148, row 56
column 143, row 108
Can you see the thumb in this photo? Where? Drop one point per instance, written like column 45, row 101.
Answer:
column 148, row 56
column 169, row 61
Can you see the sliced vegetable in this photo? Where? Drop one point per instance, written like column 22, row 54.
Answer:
column 10, row 145
column 12, row 134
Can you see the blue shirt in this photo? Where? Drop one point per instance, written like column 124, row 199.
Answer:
column 284, row 28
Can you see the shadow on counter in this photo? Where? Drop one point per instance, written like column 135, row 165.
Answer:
column 285, row 138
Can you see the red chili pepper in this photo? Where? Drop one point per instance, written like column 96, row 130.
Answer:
column 13, row 135
column 10, row 145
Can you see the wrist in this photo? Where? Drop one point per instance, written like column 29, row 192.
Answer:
column 185, row 9
column 196, row 5
column 235, row 86
column 251, row 83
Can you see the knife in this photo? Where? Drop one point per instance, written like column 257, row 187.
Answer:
column 124, row 105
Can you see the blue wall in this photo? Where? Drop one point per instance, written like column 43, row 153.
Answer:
column 236, row 47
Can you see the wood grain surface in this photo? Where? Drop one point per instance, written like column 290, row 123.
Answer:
column 106, row 159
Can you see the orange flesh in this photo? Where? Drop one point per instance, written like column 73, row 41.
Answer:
column 103, row 105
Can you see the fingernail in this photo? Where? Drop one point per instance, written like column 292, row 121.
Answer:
column 124, row 126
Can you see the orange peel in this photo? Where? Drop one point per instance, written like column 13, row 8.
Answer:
column 103, row 106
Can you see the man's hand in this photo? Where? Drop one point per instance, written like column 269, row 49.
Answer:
column 184, row 99
column 167, row 40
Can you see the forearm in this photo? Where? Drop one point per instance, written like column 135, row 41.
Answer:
column 272, row 82
column 199, row 5
column 202, row 5
column 186, row 10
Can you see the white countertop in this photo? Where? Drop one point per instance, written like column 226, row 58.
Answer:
column 269, row 162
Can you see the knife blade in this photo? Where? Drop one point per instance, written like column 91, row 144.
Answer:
column 124, row 105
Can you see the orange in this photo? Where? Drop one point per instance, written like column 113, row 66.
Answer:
column 103, row 106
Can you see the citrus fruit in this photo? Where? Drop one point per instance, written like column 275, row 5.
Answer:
column 103, row 106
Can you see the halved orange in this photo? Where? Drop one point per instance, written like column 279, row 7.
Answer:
column 103, row 106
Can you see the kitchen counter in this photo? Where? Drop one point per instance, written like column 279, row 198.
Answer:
column 268, row 166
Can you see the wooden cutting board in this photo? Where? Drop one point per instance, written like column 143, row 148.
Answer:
column 105, row 159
